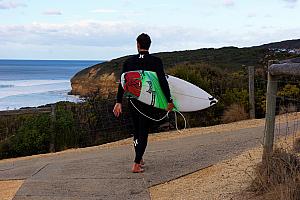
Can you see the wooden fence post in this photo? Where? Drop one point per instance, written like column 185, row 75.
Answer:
column 52, row 137
column 270, row 113
column 251, row 92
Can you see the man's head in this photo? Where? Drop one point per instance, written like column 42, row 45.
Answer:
column 143, row 42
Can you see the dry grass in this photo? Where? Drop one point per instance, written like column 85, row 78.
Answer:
column 233, row 113
column 297, row 145
column 278, row 177
column 291, row 108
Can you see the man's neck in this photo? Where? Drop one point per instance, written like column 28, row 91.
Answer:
column 143, row 50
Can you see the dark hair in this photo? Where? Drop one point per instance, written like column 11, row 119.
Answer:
column 144, row 41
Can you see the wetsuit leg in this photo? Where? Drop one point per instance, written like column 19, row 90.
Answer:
column 141, row 129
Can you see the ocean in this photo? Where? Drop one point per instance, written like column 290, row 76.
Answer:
column 31, row 83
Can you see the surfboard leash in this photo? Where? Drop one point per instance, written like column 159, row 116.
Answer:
column 166, row 115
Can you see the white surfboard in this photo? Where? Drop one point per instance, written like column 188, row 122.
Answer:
column 144, row 86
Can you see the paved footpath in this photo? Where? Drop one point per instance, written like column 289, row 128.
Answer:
column 105, row 173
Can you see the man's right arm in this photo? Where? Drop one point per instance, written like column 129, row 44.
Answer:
column 118, row 106
column 120, row 93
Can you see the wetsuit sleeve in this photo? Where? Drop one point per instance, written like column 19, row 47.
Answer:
column 120, row 88
column 163, row 81
column 120, row 93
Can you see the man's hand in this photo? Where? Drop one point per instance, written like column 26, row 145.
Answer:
column 117, row 109
column 170, row 106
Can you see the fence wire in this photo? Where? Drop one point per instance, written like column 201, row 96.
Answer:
column 287, row 108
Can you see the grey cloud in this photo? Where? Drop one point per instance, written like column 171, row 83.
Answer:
column 291, row 1
column 228, row 3
column 6, row 5
column 104, row 11
column 81, row 33
column 52, row 12
column 122, row 35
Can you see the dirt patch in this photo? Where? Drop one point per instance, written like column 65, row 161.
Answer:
column 225, row 180
column 9, row 189
column 228, row 180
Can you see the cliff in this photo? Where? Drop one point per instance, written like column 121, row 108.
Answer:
column 100, row 78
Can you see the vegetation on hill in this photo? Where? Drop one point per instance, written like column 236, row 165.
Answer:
column 229, row 58
column 287, row 44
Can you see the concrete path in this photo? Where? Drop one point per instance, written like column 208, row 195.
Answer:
column 105, row 173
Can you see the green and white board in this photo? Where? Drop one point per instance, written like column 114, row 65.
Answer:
column 145, row 87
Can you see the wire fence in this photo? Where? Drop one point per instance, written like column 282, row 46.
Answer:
column 287, row 107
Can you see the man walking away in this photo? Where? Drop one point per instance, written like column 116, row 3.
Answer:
column 142, row 61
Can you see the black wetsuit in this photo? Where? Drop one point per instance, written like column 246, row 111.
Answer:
column 147, row 62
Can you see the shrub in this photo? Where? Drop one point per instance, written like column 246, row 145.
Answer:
column 279, row 176
column 33, row 137
column 297, row 145
column 290, row 91
column 233, row 113
column 66, row 134
column 290, row 108
column 234, row 95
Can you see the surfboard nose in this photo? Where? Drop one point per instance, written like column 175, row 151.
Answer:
column 213, row 101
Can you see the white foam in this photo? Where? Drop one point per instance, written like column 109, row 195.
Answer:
column 32, row 86
column 36, row 99
column 31, row 82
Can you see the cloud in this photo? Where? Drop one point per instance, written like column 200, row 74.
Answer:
column 251, row 15
column 291, row 3
column 82, row 33
column 6, row 5
column 108, row 35
column 52, row 12
column 228, row 3
column 112, row 38
column 104, row 11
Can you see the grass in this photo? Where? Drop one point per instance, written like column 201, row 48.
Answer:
column 235, row 112
column 278, row 177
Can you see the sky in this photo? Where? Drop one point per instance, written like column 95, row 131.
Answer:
column 107, row 29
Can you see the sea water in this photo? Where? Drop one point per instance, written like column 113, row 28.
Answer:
column 31, row 83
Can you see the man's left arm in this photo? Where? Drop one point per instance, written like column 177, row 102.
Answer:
column 164, row 84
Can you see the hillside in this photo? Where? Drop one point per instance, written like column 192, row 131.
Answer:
column 287, row 44
column 103, row 77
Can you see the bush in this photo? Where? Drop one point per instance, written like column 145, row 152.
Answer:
column 233, row 113
column 33, row 137
column 193, row 74
column 297, row 145
column 234, row 95
column 290, row 91
column 66, row 133
column 279, row 176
